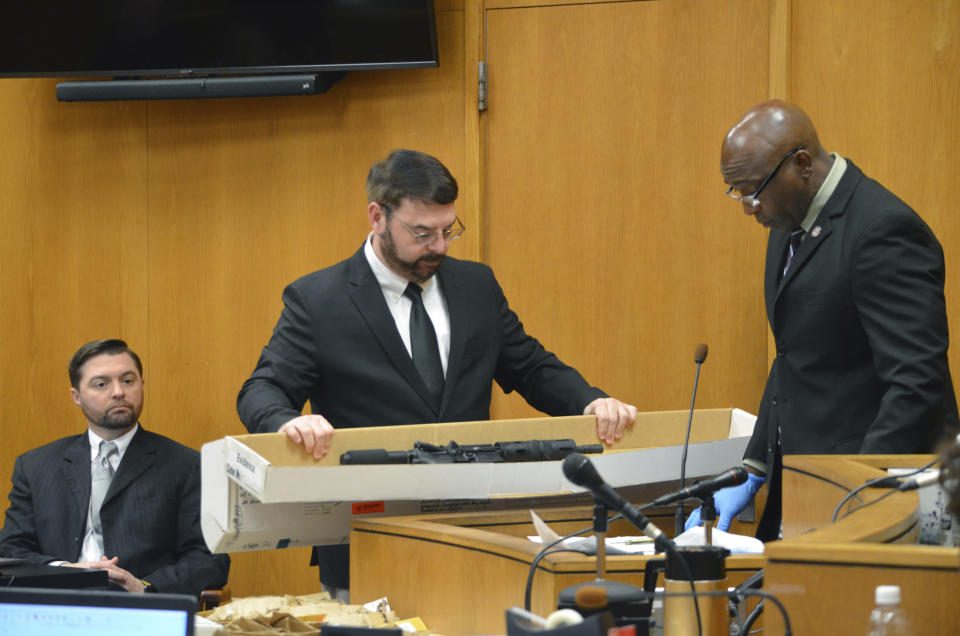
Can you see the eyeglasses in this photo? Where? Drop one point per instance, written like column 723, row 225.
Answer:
column 751, row 199
column 451, row 233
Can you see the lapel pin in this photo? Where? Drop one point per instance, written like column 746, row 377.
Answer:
column 815, row 232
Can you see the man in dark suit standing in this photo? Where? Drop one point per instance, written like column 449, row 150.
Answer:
column 854, row 296
column 402, row 334
column 116, row 498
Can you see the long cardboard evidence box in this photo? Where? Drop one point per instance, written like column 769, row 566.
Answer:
column 262, row 492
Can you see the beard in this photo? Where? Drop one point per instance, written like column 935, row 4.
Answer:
column 113, row 421
column 419, row 271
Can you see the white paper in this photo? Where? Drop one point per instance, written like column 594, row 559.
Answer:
column 736, row 543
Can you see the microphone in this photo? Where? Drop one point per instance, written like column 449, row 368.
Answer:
column 579, row 470
column 700, row 353
column 591, row 598
column 926, row 479
column 699, row 357
column 731, row 477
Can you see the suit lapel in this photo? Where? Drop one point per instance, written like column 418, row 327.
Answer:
column 367, row 296
column 75, row 470
column 821, row 230
column 455, row 295
column 139, row 456
column 776, row 255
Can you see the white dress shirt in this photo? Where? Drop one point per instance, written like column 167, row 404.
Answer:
column 393, row 287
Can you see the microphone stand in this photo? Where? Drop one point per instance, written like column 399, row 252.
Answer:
column 708, row 514
column 626, row 604
column 681, row 513
column 600, row 531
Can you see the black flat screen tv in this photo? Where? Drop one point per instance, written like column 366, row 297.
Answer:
column 191, row 38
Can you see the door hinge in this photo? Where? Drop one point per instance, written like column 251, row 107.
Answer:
column 482, row 86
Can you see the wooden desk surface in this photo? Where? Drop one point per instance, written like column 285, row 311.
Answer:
column 460, row 572
column 825, row 573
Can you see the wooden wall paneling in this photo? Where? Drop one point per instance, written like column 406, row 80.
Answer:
column 779, row 81
column 248, row 195
column 520, row 4
column 778, row 87
column 879, row 79
column 607, row 224
column 72, row 252
column 472, row 188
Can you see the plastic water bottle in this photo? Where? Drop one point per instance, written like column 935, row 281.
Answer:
column 887, row 619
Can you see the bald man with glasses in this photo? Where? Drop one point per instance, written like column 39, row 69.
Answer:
column 854, row 296
column 400, row 333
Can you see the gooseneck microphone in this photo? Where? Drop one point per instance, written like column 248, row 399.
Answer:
column 699, row 357
column 731, row 477
column 579, row 470
column 700, row 353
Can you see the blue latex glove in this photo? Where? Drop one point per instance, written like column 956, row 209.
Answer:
column 729, row 502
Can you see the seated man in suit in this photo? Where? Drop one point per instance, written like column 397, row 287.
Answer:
column 118, row 497
column 400, row 333
column 854, row 294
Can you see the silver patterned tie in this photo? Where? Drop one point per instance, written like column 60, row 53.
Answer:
column 101, row 474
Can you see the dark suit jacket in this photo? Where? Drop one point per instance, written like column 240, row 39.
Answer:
column 150, row 515
column 860, row 326
column 337, row 345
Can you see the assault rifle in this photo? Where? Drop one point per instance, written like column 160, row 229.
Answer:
column 537, row 450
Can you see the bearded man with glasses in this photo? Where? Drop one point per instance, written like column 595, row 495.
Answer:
column 400, row 333
column 854, row 296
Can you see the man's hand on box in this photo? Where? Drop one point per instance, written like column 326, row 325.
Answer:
column 313, row 432
column 613, row 416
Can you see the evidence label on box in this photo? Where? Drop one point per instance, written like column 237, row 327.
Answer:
column 246, row 467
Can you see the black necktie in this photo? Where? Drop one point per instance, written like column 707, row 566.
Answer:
column 423, row 343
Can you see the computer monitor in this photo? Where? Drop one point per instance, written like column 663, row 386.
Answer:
column 49, row 612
